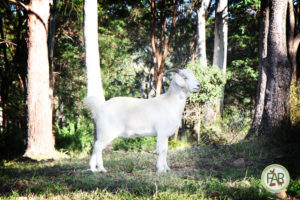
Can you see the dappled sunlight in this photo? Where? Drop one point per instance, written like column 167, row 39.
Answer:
column 196, row 172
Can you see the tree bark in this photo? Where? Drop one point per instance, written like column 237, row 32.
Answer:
column 160, row 50
column 220, row 42
column 201, row 36
column 293, row 45
column 293, row 40
column 51, row 39
column 262, row 78
column 276, row 115
column 40, row 138
column 5, row 82
column 92, row 60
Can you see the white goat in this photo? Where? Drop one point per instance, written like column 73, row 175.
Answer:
column 131, row 117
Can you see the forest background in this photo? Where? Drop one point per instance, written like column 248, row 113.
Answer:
column 128, row 69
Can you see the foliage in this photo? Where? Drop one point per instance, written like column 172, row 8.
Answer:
column 243, row 34
column 295, row 103
column 211, row 80
column 11, row 143
column 241, row 83
column 136, row 144
column 13, row 84
column 294, row 188
column 231, row 129
column 75, row 137
column 147, row 144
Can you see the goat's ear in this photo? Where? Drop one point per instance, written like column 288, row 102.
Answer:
column 180, row 81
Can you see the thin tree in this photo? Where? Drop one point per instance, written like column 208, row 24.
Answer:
column 51, row 40
column 40, row 137
column 201, row 36
column 293, row 37
column 220, row 41
column 160, row 48
column 276, row 114
column 202, row 15
column 262, row 77
column 293, row 46
column 92, row 60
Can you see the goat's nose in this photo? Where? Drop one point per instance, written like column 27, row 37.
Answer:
column 198, row 86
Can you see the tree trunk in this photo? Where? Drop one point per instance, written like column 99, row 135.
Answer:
column 5, row 82
column 92, row 60
column 262, row 78
column 201, row 36
column 51, row 39
column 293, row 40
column 160, row 50
column 276, row 115
column 40, row 138
column 210, row 113
column 220, row 43
column 293, row 45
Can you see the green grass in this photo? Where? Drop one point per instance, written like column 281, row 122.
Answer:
column 203, row 172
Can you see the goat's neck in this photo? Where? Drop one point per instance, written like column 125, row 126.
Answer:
column 176, row 98
column 177, row 92
column 176, row 95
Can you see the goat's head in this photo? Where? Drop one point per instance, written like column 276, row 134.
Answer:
column 185, row 79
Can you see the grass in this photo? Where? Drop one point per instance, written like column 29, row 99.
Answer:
column 205, row 172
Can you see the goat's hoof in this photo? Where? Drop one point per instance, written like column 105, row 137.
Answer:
column 93, row 169
column 167, row 169
column 161, row 171
column 98, row 170
column 102, row 170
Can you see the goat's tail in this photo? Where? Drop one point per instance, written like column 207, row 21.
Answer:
column 93, row 104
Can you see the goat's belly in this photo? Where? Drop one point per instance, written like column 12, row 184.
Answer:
column 138, row 133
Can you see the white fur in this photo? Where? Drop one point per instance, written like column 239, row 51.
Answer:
column 133, row 117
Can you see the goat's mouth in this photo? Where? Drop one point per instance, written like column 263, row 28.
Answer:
column 196, row 89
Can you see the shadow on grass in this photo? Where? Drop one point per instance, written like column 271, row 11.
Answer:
column 208, row 171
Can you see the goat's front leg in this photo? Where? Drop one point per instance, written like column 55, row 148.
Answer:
column 162, row 148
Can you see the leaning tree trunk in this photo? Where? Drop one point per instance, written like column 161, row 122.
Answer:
column 40, row 138
column 92, row 60
column 276, row 116
column 262, row 78
column 220, row 43
column 160, row 49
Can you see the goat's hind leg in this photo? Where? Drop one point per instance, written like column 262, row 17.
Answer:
column 96, row 161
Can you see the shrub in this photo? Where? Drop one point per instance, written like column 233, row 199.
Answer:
column 135, row 144
column 74, row 136
column 211, row 80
